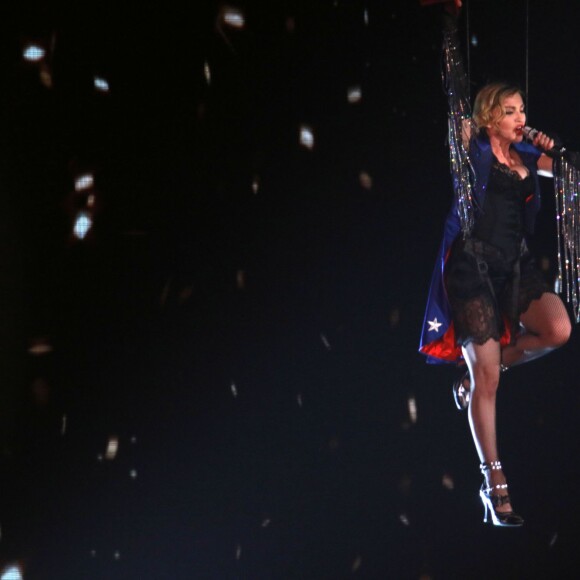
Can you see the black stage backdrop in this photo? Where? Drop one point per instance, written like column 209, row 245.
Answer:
column 221, row 380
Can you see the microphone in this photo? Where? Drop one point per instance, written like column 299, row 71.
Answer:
column 557, row 150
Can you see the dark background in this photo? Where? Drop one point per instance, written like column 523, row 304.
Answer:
column 254, row 352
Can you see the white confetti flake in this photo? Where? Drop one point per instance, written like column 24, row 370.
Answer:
column 233, row 17
column 354, row 94
column 84, row 182
column 238, row 552
column 474, row 40
column 448, row 482
column 33, row 53
column 112, row 448
column 63, row 426
column 299, row 399
column 93, row 553
column 266, row 522
column 256, row 185
column 207, row 72
column 553, row 539
column 404, row 520
column 356, row 564
column 39, row 346
column 366, row 16
column 412, row 406
column 82, row 225
column 234, row 389
column 117, row 555
column 133, row 474
column 306, row 136
column 133, row 440
column 101, row 85
column 325, row 342
column 99, row 457
column 11, row 572
column 365, row 180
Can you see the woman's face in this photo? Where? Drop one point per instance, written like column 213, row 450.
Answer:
column 510, row 127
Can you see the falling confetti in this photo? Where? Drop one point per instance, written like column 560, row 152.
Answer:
column 474, row 41
column 84, row 182
column 11, row 573
column 39, row 346
column 553, row 539
column 448, row 482
column 207, row 72
column 82, row 225
column 306, row 136
column 325, row 342
column 233, row 17
column 412, row 407
column 356, row 564
column 101, row 84
column 112, row 448
column 365, row 180
column 299, row 399
column 266, row 522
column 354, row 94
column 404, row 520
column 234, row 389
column 256, row 185
column 117, row 555
column 34, row 53
column 133, row 474
column 238, row 552
column 63, row 427
column 45, row 75
column 366, row 16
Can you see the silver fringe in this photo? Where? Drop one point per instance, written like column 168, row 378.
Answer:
column 567, row 191
column 460, row 128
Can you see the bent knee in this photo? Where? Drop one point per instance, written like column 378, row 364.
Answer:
column 557, row 334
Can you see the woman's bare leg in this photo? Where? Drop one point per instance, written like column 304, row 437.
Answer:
column 483, row 362
column 547, row 327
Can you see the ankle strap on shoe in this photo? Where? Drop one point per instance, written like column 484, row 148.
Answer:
column 498, row 486
column 491, row 466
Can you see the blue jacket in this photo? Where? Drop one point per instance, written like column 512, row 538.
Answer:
column 438, row 337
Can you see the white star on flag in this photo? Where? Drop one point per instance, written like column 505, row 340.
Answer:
column 433, row 325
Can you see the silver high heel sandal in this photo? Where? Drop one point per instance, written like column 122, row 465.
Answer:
column 492, row 501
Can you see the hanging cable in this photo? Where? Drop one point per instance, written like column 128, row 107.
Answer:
column 527, row 57
column 468, row 49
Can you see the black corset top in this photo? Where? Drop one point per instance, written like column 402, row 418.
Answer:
column 501, row 223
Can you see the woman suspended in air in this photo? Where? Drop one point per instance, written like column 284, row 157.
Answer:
column 489, row 307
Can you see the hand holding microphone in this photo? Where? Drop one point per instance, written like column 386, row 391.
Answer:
column 542, row 141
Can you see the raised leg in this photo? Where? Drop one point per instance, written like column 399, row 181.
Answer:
column 547, row 327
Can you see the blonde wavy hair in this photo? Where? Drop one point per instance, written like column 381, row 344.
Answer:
column 488, row 109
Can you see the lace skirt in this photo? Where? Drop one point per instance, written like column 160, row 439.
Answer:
column 486, row 292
